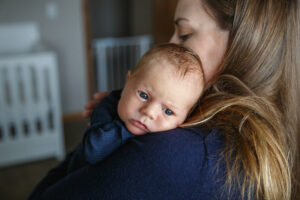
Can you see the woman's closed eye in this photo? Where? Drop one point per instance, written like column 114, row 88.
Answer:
column 184, row 37
column 143, row 95
column 168, row 111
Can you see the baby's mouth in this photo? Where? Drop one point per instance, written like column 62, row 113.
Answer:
column 139, row 124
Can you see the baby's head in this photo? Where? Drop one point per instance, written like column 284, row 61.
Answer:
column 161, row 90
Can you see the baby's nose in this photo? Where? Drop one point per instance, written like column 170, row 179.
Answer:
column 150, row 111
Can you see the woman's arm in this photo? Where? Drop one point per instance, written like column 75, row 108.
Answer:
column 177, row 164
column 53, row 177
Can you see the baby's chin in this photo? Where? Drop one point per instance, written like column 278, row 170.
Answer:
column 134, row 130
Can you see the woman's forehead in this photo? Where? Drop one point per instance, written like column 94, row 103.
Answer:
column 191, row 13
column 188, row 7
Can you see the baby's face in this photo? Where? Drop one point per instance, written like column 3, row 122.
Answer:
column 157, row 99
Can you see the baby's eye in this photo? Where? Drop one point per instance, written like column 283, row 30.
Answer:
column 168, row 111
column 143, row 95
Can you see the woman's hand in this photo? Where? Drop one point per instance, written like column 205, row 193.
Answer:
column 89, row 106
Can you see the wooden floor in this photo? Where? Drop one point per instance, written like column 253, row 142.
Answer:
column 17, row 182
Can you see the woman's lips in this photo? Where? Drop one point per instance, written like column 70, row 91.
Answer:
column 139, row 125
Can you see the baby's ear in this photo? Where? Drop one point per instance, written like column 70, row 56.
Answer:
column 128, row 75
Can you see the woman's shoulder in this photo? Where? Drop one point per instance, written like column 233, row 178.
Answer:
column 181, row 146
column 186, row 161
column 176, row 164
column 186, row 140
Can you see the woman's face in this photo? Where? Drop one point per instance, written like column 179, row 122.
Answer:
column 196, row 29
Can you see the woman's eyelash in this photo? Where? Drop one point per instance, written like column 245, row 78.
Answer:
column 185, row 37
column 143, row 95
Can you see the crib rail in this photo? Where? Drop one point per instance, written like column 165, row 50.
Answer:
column 115, row 56
column 30, row 113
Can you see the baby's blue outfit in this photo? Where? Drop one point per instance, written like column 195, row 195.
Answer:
column 106, row 133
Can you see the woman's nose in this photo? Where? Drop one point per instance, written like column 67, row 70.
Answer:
column 150, row 111
column 173, row 39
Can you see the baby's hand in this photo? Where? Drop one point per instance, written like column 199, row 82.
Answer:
column 89, row 106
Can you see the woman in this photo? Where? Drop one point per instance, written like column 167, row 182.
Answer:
column 242, row 142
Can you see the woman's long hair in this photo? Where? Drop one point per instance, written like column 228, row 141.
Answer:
column 254, row 98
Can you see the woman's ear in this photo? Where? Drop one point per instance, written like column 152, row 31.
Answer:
column 128, row 75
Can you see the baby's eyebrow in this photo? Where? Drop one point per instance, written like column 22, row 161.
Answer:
column 171, row 105
column 147, row 89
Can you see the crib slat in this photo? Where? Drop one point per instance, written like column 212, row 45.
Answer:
column 27, row 78
column 15, row 104
column 123, row 63
column 49, row 115
column 22, row 124
column 3, row 104
column 41, row 120
column 111, row 66
column 54, row 103
column 25, row 103
column 102, row 69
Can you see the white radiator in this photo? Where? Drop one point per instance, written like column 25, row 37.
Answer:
column 30, row 113
column 115, row 56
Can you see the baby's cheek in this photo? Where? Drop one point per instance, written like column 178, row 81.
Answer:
column 123, row 110
column 168, row 124
column 120, row 112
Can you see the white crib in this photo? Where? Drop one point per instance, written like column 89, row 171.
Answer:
column 30, row 113
column 115, row 56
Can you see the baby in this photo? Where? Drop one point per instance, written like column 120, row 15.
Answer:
column 159, row 94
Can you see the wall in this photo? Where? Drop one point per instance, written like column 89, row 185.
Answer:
column 142, row 17
column 109, row 18
column 117, row 18
column 63, row 34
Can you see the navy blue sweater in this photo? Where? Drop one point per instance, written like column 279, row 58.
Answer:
column 176, row 164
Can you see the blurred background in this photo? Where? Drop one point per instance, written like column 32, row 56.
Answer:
column 54, row 55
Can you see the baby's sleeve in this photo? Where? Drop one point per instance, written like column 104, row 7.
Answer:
column 101, row 140
column 107, row 132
